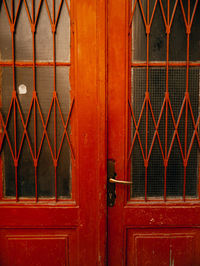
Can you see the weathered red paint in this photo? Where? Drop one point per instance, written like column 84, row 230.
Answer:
column 153, row 231
column 70, row 232
column 138, row 232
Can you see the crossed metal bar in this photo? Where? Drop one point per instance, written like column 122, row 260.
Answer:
column 54, row 105
column 186, row 104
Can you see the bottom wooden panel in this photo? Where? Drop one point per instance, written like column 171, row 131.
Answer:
column 22, row 247
column 159, row 247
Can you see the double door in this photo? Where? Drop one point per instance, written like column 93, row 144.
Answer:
column 93, row 91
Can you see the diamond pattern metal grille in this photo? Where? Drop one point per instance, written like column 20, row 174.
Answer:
column 164, row 101
column 40, row 126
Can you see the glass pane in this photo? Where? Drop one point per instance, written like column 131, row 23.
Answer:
column 46, row 173
column 139, row 43
column 23, row 36
column 157, row 39
column 175, row 143
column 63, row 36
column 64, row 162
column 44, row 36
column 195, row 36
column 6, row 91
column 44, row 86
column 175, row 172
column 36, row 151
column 166, row 126
column 8, row 171
column 5, row 35
column 137, row 171
column 138, row 78
column 7, row 150
column 46, row 178
column 178, row 38
column 47, row 109
column 26, row 172
column 155, row 173
column 24, row 86
column 64, row 171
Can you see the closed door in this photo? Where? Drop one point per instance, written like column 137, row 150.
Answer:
column 153, row 132
column 50, row 171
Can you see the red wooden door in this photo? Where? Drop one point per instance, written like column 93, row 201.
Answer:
column 153, row 131
column 53, row 132
column 53, row 181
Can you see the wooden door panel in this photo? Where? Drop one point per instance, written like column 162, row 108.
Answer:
column 29, row 216
column 39, row 246
column 155, row 215
column 38, row 251
column 162, row 247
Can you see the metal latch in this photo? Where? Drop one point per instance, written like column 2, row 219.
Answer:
column 111, row 181
column 111, row 193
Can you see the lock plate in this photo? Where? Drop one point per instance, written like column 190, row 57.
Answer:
column 111, row 193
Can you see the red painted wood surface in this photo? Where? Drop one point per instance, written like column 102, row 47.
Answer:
column 68, row 232
column 147, row 231
column 161, row 247
column 74, row 232
column 38, row 247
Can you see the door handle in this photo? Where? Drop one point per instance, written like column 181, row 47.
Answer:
column 112, row 180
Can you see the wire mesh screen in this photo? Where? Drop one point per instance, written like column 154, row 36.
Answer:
column 35, row 60
column 164, row 104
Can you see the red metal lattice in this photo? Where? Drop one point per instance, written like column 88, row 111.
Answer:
column 147, row 105
column 12, row 19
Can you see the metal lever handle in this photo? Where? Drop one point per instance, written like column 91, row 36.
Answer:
column 111, row 183
column 112, row 180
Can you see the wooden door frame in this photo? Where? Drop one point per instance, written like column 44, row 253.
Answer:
column 92, row 16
